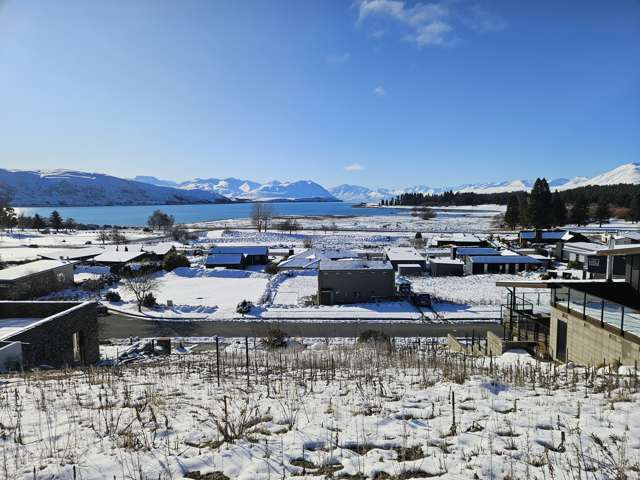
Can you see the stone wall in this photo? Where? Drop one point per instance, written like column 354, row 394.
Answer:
column 51, row 343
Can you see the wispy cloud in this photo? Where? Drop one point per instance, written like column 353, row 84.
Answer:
column 429, row 23
column 338, row 58
column 354, row 167
column 379, row 91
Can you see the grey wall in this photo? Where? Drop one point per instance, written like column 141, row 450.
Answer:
column 38, row 284
column 352, row 286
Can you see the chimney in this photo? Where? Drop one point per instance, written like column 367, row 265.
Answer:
column 610, row 258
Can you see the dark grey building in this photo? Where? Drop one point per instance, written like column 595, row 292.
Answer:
column 34, row 279
column 253, row 255
column 405, row 256
column 354, row 281
column 57, row 334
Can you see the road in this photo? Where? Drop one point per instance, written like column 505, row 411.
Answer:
column 117, row 326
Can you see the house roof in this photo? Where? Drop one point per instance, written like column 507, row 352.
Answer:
column 309, row 259
column 12, row 326
column 505, row 259
column 158, row 249
column 466, row 251
column 544, row 234
column 73, row 253
column 583, row 248
column 21, row 271
column 335, row 265
column 398, row 254
column 119, row 256
column 224, row 259
column 629, row 249
column 449, row 261
column 241, row 249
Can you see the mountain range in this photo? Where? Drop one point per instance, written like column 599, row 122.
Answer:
column 74, row 188
column 626, row 173
column 301, row 190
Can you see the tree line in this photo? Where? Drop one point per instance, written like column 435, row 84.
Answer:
column 541, row 208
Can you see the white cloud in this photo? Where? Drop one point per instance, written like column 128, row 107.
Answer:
column 338, row 58
column 379, row 91
column 354, row 167
column 429, row 23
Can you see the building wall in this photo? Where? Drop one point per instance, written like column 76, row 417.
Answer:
column 353, row 286
column 38, row 284
column 52, row 342
column 446, row 269
column 590, row 344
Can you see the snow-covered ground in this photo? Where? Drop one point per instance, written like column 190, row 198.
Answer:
column 345, row 412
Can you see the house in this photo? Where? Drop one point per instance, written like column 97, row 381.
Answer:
column 590, row 322
column 444, row 267
column 119, row 257
column 34, row 279
column 576, row 251
column 157, row 251
column 549, row 237
column 463, row 252
column 76, row 254
column 310, row 259
column 253, row 255
column 405, row 256
column 459, row 239
column 354, row 281
column 225, row 260
column 56, row 334
column 479, row 264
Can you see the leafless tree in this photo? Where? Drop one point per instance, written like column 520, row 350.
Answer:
column 261, row 215
column 104, row 236
column 141, row 285
column 117, row 238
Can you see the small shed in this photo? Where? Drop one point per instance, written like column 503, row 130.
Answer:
column 443, row 267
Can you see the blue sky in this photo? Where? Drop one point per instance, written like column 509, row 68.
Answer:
column 375, row 92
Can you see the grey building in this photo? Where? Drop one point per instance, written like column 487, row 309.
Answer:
column 34, row 279
column 405, row 256
column 354, row 281
column 225, row 260
column 253, row 255
column 445, row 267
column 56, row 334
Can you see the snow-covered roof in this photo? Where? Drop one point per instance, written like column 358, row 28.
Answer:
column 158, row 249
column 584, row 248
column 509, row 259
column 333, row 265
column 119, row 256
column 73, row 253
column 310, row 258
column 466, row 251
column 224, row 259
column 243, row 250
column 12, row 326
column 20, row 271
column 436, row 261
column 628, row 249
column 406, row 254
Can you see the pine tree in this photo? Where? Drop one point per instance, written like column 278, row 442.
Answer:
column 512, row 215
column 634, row 215
column 55, row 220
column 523, row 208
column 579, row 214
column 540, row 204
column 558, row 211
column 602, row 211
column 38, row 223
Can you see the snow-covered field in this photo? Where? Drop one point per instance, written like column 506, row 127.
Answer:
column 472, row 289
column 344, row 412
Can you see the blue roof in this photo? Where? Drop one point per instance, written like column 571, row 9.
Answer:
column 465, row 251
column 224, row 259
column 250, row 250
column 544, row 234
column 505, row 259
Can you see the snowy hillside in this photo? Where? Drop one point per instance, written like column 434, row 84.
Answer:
column 627, row 173
column 249, row 190
column 72, row 188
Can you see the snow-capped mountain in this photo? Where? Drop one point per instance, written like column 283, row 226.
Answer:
column 249, row 190
column 627, row 173
column 73, row 188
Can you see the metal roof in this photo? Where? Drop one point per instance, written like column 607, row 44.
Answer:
column 244, row 250
column 224, row 259
column 544, row 234
column 119, row 256
column 505, row 259
column 466, row 251
column 73, row 253
column 407, row 254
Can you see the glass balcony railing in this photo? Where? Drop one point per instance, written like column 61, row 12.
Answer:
column 604, row 311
